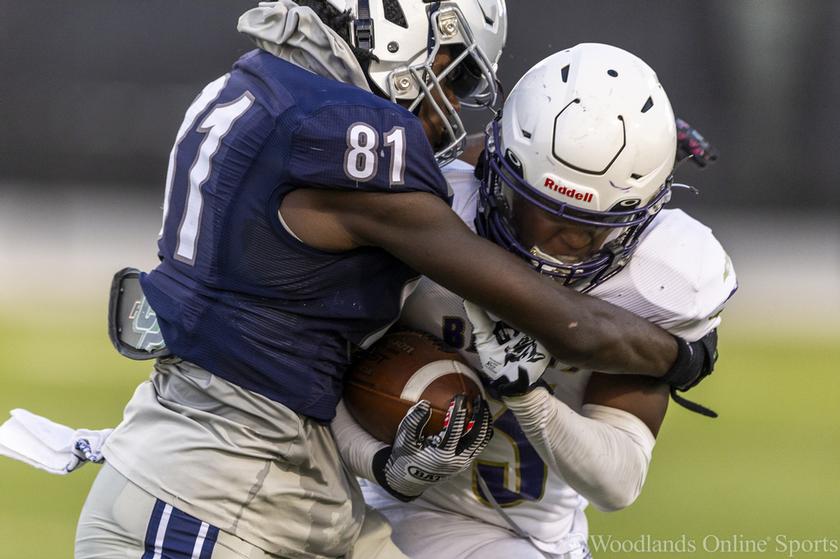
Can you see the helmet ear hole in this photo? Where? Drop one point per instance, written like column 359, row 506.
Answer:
column 515, row 162
column 629, row 204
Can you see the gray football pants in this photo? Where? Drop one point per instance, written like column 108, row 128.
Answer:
column 121, row 521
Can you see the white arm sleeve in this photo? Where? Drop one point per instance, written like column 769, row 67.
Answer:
column 356, row 446
column 603, row 454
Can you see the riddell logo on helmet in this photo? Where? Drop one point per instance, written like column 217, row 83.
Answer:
column 570, row 192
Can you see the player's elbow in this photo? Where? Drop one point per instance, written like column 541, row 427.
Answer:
column 616, row 498
column 617, row 488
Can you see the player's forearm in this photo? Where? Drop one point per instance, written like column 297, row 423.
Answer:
column 603, row 455
column 600, row 336
column 356, row 446
column 579, row 330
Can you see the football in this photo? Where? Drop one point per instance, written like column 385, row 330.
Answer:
column 398, row 371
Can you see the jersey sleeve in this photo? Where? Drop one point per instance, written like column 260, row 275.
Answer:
column 680, row 277
column 375, row 148
column 464, row 186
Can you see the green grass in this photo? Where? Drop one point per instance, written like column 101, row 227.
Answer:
column 56, row 362
column 767, row 467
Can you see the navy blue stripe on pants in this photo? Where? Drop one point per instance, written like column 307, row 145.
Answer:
column 174, row 534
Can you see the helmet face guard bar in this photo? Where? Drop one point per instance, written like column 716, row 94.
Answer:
column 445, row 23
column 493, row 222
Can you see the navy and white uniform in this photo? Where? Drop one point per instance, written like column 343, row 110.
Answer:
column 679, row 278
column 235, row 293
column 233, row 431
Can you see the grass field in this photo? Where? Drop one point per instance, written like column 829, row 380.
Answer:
column 767, row 470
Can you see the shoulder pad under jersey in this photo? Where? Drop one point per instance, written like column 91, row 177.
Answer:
column 371, row 146
column 679, row 277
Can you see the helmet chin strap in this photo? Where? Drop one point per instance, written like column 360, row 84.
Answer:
column 362, row 33
column 563, row 271
column 363, row 27
column 536, row 251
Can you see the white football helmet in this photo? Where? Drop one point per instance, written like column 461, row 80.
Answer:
column 587, row 135
column 405, row 36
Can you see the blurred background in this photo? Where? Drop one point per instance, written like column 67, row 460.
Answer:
column 92, row 94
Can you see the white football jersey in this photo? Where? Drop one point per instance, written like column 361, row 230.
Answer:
column 679, row 278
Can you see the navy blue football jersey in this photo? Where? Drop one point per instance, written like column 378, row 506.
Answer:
column 235, row 292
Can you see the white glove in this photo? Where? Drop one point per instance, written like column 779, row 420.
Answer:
column 49, row 446
column 512, row 361
column 414, row 463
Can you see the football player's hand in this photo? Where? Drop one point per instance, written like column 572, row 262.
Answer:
column 695, row 361
column 690, row 143
column 415, row 462
column 512, row 362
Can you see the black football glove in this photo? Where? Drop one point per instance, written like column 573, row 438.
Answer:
column 414, row 462
column 690, row 143
column 502, row 387
column 695, row 361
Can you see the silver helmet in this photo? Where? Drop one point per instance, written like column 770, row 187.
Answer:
column 404, row 37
